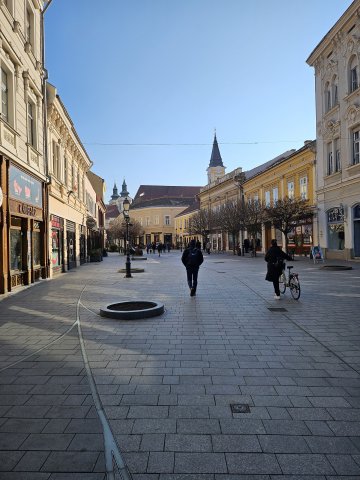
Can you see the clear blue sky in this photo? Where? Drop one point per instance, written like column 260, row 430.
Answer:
column 146, row 72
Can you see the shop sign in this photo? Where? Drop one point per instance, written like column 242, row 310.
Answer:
column 27, row 210
column 24, row 187
column 56, row 222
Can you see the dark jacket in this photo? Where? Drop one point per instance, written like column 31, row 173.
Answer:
column 274, row 258
column 192, row 257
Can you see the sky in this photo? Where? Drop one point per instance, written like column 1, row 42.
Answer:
column 147, row 82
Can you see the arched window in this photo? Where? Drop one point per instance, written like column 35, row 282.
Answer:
column 353, row 73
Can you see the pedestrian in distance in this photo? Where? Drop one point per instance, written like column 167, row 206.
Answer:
column 192, row 258
column 208, row 246
column 159, row 248
column 275, row 265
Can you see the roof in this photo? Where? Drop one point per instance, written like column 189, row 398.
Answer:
column 279, row 159
column 97, row 183
column 164, row 195
column 112, row 211
column 215, row 160
column 191, row 208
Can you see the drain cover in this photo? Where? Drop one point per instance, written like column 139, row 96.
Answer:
column 277, row 309
column 240, row 408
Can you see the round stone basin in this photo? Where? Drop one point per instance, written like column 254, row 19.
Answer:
column 132, row 310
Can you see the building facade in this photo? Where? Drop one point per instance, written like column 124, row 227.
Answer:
column 155, row 207
column 23, row 169
column 336, row 60
column 68, row 167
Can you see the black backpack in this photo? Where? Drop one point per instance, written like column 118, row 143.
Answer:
column 192, row 258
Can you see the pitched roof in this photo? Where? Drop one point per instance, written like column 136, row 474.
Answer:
column 164, row 195
column 112, row 211
column 191, row 208
column 215, row 160
column 270, row 163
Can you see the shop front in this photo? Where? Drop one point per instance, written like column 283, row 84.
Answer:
column 26, row 232
column 71, row 244
column 300, row 238
column 57, row 244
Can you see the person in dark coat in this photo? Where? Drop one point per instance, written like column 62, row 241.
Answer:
column 192, row 258
column 275, row 265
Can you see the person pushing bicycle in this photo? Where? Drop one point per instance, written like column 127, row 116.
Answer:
column 275, row 265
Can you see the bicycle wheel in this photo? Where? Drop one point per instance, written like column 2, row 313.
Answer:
column 294, row 285
column 282, row 283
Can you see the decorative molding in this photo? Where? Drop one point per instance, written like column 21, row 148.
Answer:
column 352, row 114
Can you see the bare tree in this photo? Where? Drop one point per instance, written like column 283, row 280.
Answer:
column 286, row 212
column 254, row 217
column 201, row 223
column 117, row 230
column 231, row 218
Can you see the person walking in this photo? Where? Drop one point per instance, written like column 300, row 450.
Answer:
column 275, row 265
column 192, row 258
column 159, row 248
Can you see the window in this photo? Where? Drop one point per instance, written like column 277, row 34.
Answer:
column 267, row 198
column 327, row 97
column 31, row 124
column 337, row 156
column 334, row 91
column 147, row 221
column 156, row 220
column 290, row 186
column 275, row 193
column 141, row 221
column 354, row 74
column 29, row 27
column 356, row 147
column 167, row 220
column 329, row 159
column 4, row 96
column 65, row 171
column 304, row 188
column 56, row 159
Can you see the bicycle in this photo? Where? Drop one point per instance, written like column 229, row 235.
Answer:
column 291, row 282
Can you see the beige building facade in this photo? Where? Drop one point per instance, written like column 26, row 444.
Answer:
column 336, row 60
column 23, row 173
column 68, row 190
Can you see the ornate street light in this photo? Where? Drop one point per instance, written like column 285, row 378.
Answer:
column 126, row 207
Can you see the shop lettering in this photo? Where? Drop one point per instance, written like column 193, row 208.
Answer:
column 27, row 210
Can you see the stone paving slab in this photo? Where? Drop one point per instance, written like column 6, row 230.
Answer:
column 166, row 383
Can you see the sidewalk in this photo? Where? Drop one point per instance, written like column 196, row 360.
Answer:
column 167, row 384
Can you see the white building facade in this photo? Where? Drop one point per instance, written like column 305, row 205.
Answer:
column 336, row 60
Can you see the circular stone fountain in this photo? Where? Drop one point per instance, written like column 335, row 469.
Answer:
column 133, row 310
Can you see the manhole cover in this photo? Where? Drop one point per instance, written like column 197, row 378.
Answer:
column 240, row 408
column 277, row 309
column 132, row 310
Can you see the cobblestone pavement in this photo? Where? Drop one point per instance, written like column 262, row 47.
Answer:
column 163, row 387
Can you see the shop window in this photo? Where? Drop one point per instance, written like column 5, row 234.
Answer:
column 16, row 250
column 36, row 247
column 336, row 232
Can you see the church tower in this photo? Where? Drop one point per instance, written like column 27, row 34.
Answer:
column 115, row 194
column 216, row 168
column 124, row 191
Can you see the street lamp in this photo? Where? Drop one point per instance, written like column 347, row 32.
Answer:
column 126, row 207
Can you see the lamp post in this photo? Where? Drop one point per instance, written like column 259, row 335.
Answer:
column 126, row 207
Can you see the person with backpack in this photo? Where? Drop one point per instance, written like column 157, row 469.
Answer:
column 275, row 265
column 192, row 258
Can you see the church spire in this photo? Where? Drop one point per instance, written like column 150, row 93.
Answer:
column 215, row 160
column 124, row 191
column 115, row 194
